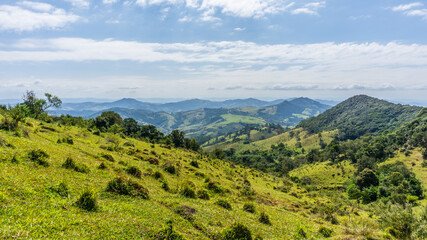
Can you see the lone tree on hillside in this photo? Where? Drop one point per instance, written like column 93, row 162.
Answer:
column 38, row 106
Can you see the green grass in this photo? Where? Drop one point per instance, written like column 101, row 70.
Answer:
column 30, row 207
column 232, row 118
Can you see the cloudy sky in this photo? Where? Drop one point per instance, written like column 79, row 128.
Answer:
column 267, row 49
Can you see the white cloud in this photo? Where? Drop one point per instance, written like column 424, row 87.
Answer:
column 30, row 16
column 38, row 6
column 109, row 1
column 241, row 8
column 409, row 10
column 309, row 8
column 405, row 7
column 79, row 3
column 239, row 29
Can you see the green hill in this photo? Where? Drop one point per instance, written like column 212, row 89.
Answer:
column 207, row 123
column 361, row 115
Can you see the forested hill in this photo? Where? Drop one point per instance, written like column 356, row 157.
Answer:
column 361, row 115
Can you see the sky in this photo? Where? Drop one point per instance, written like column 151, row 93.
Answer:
column 214, row 49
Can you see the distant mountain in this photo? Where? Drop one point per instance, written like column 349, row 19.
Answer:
column 88, row 108
column 212, row 122
column 361, row 115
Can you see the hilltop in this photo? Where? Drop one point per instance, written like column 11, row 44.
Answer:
column 361, row 115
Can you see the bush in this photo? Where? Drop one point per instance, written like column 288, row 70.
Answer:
column 326, row 232
column 215, row 187
column 66, row 139
column 157, row 175
column 188, row 192
column 39, row 156
column 87, row 201
column 134, row 171
column 127, row 187
column 424, row 164
column 70, row 164
column 223, row 204
column 102, row 166
column 249, row 207
column 168, row 233
column 264, row 218
column 366, row 179
column 194, row 164
column 202, row 194
column 165, row 185
column 62, row 190
column 301, row 233
column 107, row 157
column 237, row 231
column 170, row 168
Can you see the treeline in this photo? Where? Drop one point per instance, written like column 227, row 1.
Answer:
column 107, row 122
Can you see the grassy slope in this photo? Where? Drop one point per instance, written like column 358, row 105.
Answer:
column 290, row 138
column 30, row 209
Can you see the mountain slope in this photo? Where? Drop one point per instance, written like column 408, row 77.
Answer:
column 38, row 201
column 209, row 122
column 361, row 115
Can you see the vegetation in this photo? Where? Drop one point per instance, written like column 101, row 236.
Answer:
column 367, row 188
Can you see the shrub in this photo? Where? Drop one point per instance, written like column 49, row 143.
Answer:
column 127, row 187
column 194, row 164
column 223, row 204
column 301, row 233
column 39, row 156
column 62, row 190
column 70, row 164
column 168, row 233
column 188, row 192
column 326, row 232
column 237, row 231
column 424, row 164
column 87, row 201
column 264, row 218
column 202, row 194
column 215, row 187
column 107, row 157
column 366, row 179
column 66, row 139
column 249, row 207
column 170, row 168
column 102, row 166
column 134, row 171
column 157, row 175
column 165, row 185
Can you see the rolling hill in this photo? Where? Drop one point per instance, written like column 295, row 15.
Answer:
column 209, row 122
column 361, row 115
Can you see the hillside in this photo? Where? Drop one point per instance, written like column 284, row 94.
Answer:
column 65, row 177
column 361, row 115
column 39, row 191
column 210, row 123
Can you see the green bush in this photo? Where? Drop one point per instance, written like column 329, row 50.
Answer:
column 62, row 190
column 202, row 194
column 165, row 185
column 157, row 175
column 39, row 156
column 102, row 166
column 264, row 218
column 249, row 207
column 223, row 204
column 168, row 233
column 127, row 187
column 186, row 212
column 87, row 201
column 107, row 157
column 134, row 171
column 170, row 168
column 194, row 164
column 237, row 231
column 326, row 232
column 70, row 164
column 188, row 192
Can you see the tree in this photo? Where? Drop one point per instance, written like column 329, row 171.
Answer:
column 177, row 138
column 108, row 119
column 38, row 106
column 366, row 179
column 131, row 127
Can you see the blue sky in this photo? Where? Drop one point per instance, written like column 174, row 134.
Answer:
column 267, row 49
